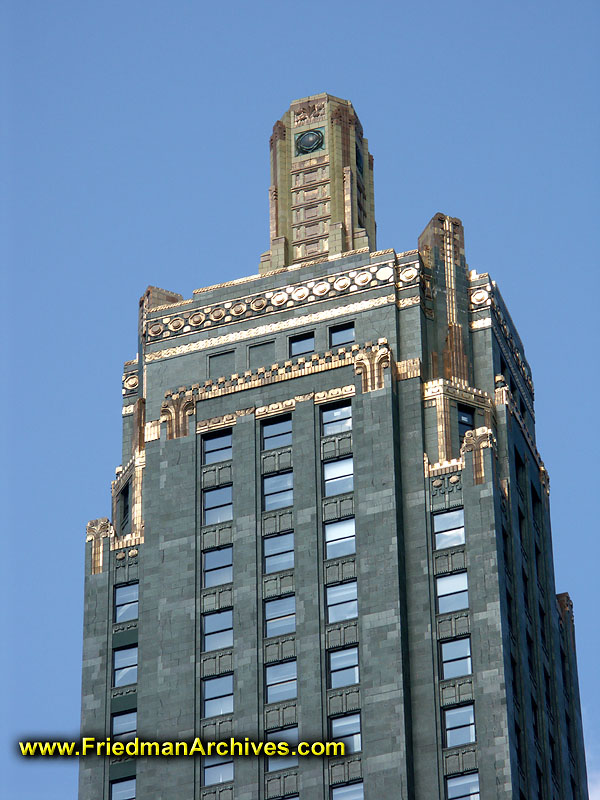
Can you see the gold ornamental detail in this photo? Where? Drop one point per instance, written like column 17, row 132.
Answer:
column 97, row 530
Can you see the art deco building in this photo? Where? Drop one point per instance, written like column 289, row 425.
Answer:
column 332, row 521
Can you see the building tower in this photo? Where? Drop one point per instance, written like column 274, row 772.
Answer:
column 332, row 521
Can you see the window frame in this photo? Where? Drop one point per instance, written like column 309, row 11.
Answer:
column 130, row 732
column 292, row 681
column 216, row 761
column 220, row 631
column 228, row 694
column 215, row 436
column 267, row 556
column 205, row 494
column 454, row 779
column 465, row 591
column 329, row 490
column 116, row 670
column 337, row 792
column 298, row 338
column 271, row 606
column 327, row 424
column 117, row 606
column 280, row 419
column 450, row 730
column 329, row 544
column 212, row 570
column 462, row 408
column 445, row 661
column 349, row 736
column 131, row 780
column 440, row 543
column 337, row 671
column 284, row 491
column 343, row 326
column 276, row 762
column 353, row 601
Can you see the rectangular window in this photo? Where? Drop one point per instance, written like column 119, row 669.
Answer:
column 460, row 725
column 289, row 735
column 449, row 528
column 336, row 419
column 217, row 505
column 125, row 664
column 340, row 538
column 278, row 490
column 343, row 667
column 217, row 566
column 278, row 552
column 122, row 790
column 304, row 343
column 339, row 476
column 217, row 769
column 346, row 729
column 126, row 602
column 123, row 727
column 341, row 334
column 281, row 680
column 217, row 696
column 277, row 433
column 342, row 602
column 261, row 355
column 280, row 616
column 221, row 364
column 125, row 509
column 466, row 421
column 216, row 447
column 452, row 592
column 217, row 630
column 463, row 787
column 456, row 658
column 350, row 791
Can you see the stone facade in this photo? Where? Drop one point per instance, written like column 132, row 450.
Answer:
column 442, row 407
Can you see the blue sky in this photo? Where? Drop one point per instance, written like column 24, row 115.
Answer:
column 135, row 143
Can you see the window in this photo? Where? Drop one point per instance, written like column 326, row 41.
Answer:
column 304, row 343
column 217, row 566
column 122, row 790
column 125, row 663
column 340, row 538
column 339, row 476
column 346, row 729
column 463, row 787
column 124, row 509
column 221, row 364
column 460, row 725
column 449, row 528
column 277, row 433
column 466, row 421
column 342, row 602
column 456, row 658
column 280, row 616
column 278, row 490
column 261, row 355
column 216, row 447
column 351, row 791
column 281, row 680
column 123, row 726
column 452, row 592
column 217, row 505
column 217, row 696
column 343, row 667
column 341, row 334
column 217, row 769
column 289, row 735
column 218, row 630
column 278, row 552
column 126, row 602
column 336, row 419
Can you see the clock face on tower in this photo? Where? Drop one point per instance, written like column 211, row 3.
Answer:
column 309, row 141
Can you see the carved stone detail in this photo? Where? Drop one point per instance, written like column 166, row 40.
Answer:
column 96, row 530
column 175, row 411
column 370, row 364
column 476, row 441
column 307, row 113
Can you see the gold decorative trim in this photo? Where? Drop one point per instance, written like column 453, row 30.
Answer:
column 275, row 408
column 262, row 330
column 334, row 394
column 476, row 441
column 408, row 369
column 481, row 324
column 442, row 467
column 95, row 531
column 406, row 302
column 127, row 410
column 442, row 391
column 370, row 364
column 152, row 431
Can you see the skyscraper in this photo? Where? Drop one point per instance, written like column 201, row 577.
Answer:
column 332, row 521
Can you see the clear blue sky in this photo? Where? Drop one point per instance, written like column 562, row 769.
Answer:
column 136, row 152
